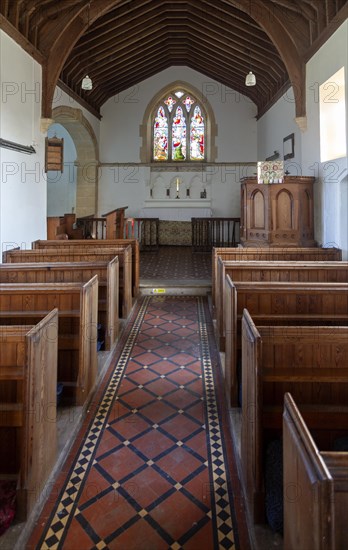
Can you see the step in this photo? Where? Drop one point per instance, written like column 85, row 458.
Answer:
column 175, row 288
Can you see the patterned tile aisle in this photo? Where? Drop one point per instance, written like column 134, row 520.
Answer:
column 153, row 467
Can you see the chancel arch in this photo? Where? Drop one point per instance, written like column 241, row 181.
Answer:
column 87, row 159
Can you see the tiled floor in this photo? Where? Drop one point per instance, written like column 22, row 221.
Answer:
column 153, row 466
column 175, row 263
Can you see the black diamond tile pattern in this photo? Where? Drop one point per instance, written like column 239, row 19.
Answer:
column 151, row 472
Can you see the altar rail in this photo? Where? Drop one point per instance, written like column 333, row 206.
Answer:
column 146, row 230
column 92, row 228
column 210, row 232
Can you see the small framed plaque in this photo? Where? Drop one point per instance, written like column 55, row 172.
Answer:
column 289, row 147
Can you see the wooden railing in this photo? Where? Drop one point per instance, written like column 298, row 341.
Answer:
column 143, row 229
column 109, row 226
column 210, row 232
column 93, row 228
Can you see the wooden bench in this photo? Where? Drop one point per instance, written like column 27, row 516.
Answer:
column 285, row 303
column 84, row 255
column 312, row 364
column 77, row 305
column 73, row 272
column 315, row 486
column 296, row 271
column 269, row 254
column 28, row 385
column 100, row 243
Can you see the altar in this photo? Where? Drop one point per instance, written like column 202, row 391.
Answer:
column 175, row 218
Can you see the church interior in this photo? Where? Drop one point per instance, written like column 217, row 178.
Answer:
column 174, row 274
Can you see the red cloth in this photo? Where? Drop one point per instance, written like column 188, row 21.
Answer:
column 7, row 504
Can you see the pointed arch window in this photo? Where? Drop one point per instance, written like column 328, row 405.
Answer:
column 179, row 128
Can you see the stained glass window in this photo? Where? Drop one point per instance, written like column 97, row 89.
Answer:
column 179, row 133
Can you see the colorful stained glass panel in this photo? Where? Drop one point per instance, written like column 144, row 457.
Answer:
column 179, row 135
column 160, row 136
column 188, row 101
column 197, row 146
column 170, row 102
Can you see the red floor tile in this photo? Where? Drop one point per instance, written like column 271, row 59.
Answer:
column 177, row 514
column 147, row 486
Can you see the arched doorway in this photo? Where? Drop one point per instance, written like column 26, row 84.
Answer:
column 87, row 157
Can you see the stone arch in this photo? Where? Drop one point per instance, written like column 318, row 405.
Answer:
column 87, row 150
column 146, row 127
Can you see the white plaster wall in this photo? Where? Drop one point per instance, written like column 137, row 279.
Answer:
column 61, row 186
column 61, row 98
column 331, row 208
column 123, row 185
column 120, row 142
column 23, row 180
column 276, row 124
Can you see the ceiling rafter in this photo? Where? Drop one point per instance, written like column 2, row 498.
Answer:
column 120, row 41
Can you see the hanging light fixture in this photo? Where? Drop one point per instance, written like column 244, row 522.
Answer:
column 87, row 83
column 250, row 79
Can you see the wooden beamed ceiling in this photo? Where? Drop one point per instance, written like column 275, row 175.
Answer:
column 119, row 43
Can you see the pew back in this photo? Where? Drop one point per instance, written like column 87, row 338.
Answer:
column 28, row 374
column 100, row 243
column 78, row 272
column 270, row 254
column 308, row 303
column 315, row 488
column 324, row 272
column 309, row 362
column 77, row 305
column 82, row 255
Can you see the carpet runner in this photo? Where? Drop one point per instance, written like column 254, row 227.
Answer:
column 153, row 467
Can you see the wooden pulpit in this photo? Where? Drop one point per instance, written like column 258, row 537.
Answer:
column 278, row 214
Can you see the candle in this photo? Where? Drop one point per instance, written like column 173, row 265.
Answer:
column 177, row 184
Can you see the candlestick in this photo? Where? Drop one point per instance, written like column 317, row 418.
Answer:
column 177, row 187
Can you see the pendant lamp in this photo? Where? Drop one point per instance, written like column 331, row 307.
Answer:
column 87, row 83
column 250, row 79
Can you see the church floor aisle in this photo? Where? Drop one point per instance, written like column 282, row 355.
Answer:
column 153, row 467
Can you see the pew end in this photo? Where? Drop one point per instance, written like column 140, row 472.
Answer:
column 315, row 487
column 28, row 372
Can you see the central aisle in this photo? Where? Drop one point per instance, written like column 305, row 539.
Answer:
column 152, row 468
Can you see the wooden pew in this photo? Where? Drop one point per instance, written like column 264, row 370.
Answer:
column 100, row 243
column 316, row 515
column 269, row 254
column 75, row 272
column 312, row 364
column 329, row 272
column 77, row 305
column 83, row 255
column 302, row 303
column 28, row 384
